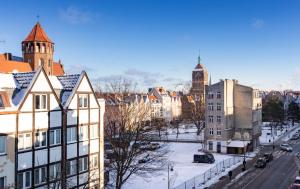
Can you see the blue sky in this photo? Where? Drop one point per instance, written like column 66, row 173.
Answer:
column 157, row 42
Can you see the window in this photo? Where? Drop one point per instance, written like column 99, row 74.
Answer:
column 218, row 131
column 40, row 139
column 83, row 164
column 219, row 119
column 49, row 63
column 2, row 182
column 40, row 102
column 2, row 145
column 54, row 171
column 55, row 137
column 219, row 106
column 83, row 133
column 1, row 102
column 24, row 141
column 94, row 131
column 211, row 131
column 210, row 95
column 71, row 167
column 83, row 101
column 210, row 106
column 40, row 175
column 24, row 180
column 210, row 119
column 218, row 95
column 71, row 134
column 94, row 161
column 210, row 145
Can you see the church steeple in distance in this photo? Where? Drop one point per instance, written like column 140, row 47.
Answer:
column 199, row 80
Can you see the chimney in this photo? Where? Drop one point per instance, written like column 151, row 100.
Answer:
column 8, row 56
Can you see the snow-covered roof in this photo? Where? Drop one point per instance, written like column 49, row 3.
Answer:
column 238, row 143
column 68, row 81
column 55, row 82
column 23, row 79
column 7, row 81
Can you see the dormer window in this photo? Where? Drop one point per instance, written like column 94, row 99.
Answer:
column 41, row 102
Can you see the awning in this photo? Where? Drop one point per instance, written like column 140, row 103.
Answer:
column 237, row 143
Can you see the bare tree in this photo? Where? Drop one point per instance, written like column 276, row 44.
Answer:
column 198, row 114
column 159, row 124
column 124, row 129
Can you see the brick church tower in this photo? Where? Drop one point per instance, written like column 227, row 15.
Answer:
column 38, row 49
column 199, row 81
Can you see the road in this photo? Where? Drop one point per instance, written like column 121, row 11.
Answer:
column 278, row 174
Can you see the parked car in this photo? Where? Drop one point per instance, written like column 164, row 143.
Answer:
column 286, row 147
column 145, row 159
column 297, row 180
column 204, row 158
column 140, row 144
column 151, row 146
column 268, row 156
column 295, row 137
column 260, row 163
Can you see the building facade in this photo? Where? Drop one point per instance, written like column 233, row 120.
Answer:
column 233, row 117
column 51, row 124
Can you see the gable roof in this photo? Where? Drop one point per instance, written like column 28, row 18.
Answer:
column 37, row 34
column 68, row 82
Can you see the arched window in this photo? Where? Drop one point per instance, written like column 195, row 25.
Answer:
column 41, row 62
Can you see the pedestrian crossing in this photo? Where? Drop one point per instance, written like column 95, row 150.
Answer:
column 280, row 153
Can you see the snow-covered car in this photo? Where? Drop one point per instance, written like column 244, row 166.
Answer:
column 286, row 147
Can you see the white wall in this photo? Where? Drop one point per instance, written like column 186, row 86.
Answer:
column 41, row 120
column 41, row 84
column 25, row 122
column 27, row 106
column 8, row 123
column 94, row 117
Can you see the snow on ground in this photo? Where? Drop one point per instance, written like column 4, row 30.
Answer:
column 267, row 137
column 181, row 157
column 186, row 132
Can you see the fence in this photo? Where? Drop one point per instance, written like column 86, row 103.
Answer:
column 200, row 180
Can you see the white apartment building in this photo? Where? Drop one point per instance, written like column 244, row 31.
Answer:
column 232, row 117
column 51, row 132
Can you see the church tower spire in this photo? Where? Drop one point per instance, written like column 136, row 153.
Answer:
column 38, row 49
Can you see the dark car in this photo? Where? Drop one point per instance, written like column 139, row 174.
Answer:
column 295, row 137
column 260, row 163
column 204, row 158
column 145, row 159
column 268, row 157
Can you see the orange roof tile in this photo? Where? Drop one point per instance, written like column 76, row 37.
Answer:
column 152, row 97
column 9, row 66
column 38, row 34
column 58, row 69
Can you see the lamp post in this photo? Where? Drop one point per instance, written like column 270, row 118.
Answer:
column 170, row 168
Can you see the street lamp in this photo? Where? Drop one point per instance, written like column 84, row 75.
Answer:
column 170, row 168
